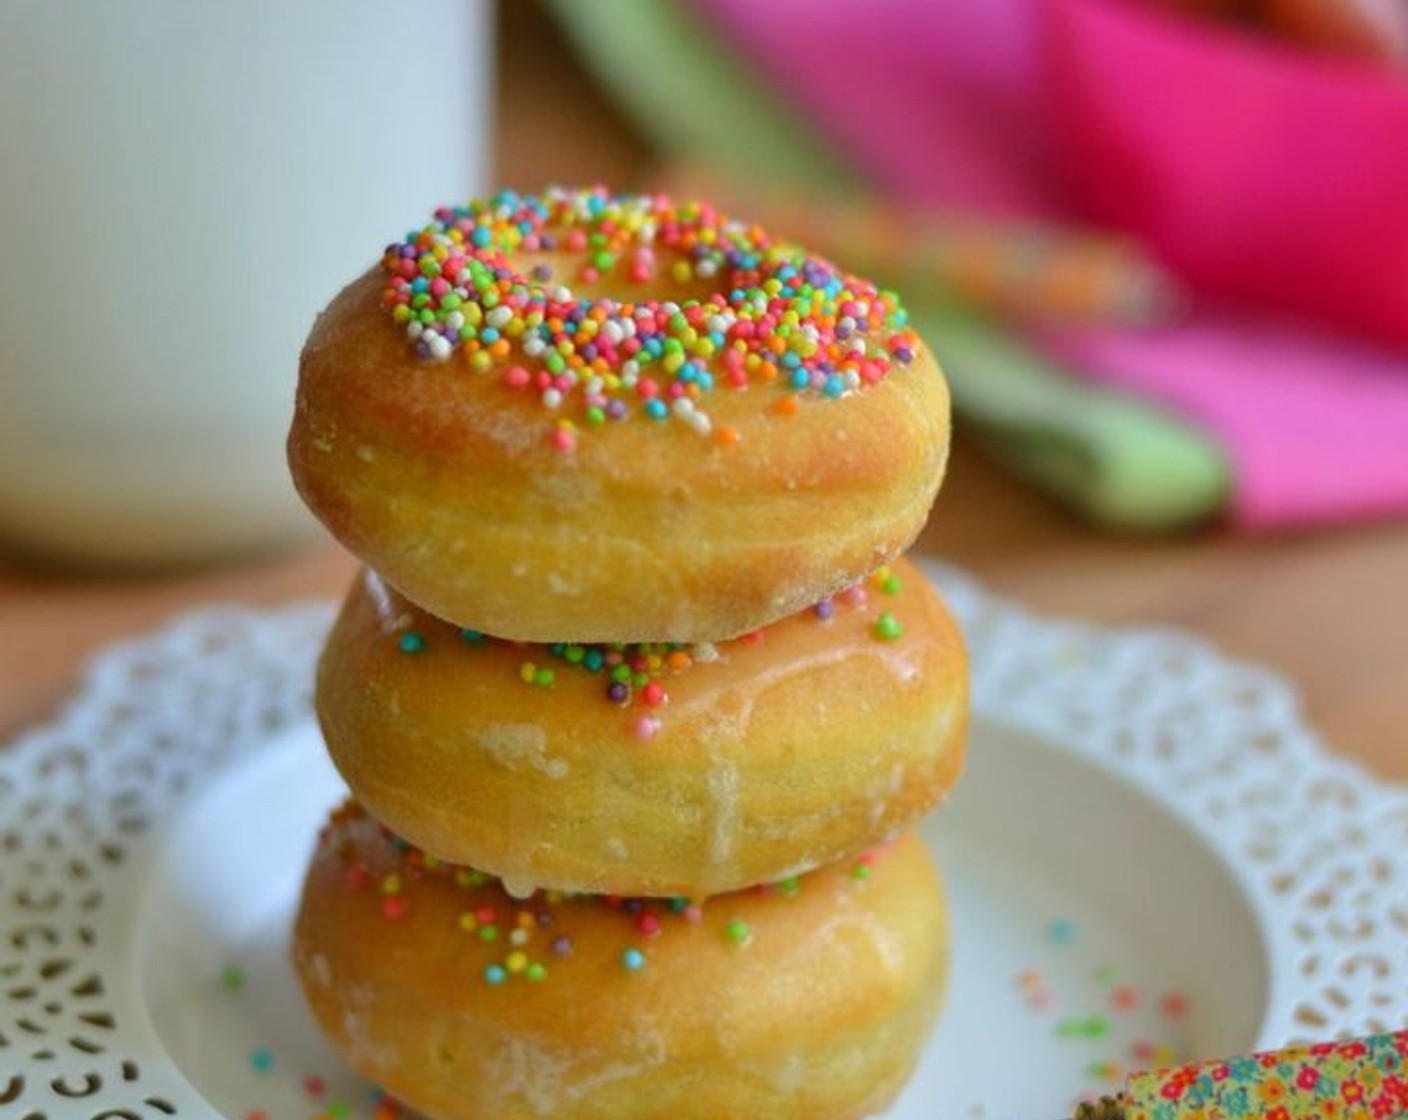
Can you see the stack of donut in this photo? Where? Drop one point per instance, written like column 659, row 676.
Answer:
column 635, row 696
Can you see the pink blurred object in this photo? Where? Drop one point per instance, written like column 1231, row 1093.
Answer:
column 1316, row 430
column 1253, row 170
column 900, row 86
column 1279, row 176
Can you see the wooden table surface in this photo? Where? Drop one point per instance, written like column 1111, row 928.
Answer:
column 1326, row 609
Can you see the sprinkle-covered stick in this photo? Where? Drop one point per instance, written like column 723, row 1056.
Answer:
column 1366, row 1079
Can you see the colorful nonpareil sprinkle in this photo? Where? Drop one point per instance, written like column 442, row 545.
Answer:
column 888, row 627
column 633, row 671
column 232, row 978
column 1061, row 931
column 887, row 581
column 521, row 939
column 1124, row 998
column 1174, row 1005
column 1096, row 1026
column 477, row 284
column 1094, row 1012
column 314, row 1086
column 393, row 909
column 1105, row 1071
column 639, row 674
column 1153, row 1056
column 1035, row 990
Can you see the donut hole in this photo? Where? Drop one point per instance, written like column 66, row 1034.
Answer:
column 577, row 273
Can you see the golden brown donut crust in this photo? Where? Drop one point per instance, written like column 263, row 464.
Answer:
column 817, row 1013
column 782, row 754
column 445, row 482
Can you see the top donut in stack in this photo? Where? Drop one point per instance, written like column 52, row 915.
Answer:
column 632, row 480
column 615, row 419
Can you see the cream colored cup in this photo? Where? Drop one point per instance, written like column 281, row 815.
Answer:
column 183, row 184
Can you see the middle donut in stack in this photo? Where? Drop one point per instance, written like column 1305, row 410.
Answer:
column 650, row 769
column 633, row 482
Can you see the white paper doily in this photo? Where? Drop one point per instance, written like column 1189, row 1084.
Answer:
column 1320, row 849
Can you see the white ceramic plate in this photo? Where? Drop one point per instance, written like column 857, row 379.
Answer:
column 1017, row 858
column 1140, row 819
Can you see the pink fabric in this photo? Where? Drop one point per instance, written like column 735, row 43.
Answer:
column 943, row 102
column 900, row 86
column 1316, row 430
column 1253, row 170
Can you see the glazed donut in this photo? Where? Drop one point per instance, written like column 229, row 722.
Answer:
column 650, row 770
column 708, row 430
column 807, row 1001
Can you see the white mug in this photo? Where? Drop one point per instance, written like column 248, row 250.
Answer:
column 183, row 184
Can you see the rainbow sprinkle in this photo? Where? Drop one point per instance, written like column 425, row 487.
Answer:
column 232, row 978
column 888, row 627
column 1095, row 1026
column 523, row 939
column 638, row 674
column 1102, row 1039
column 753, row 310
column 1062, row 931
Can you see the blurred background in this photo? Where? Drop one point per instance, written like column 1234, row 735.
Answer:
column 1160, row 247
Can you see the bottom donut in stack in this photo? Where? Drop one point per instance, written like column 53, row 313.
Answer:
column 806, row 999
